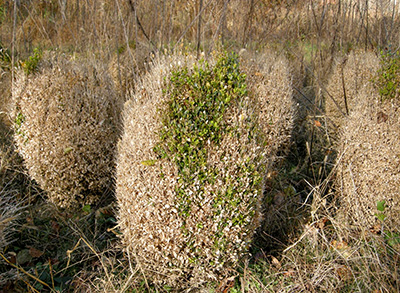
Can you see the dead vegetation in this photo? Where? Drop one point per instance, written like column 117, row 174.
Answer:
column 368, row 162
column 351, row 74
column 66, row 122
column 331, row 213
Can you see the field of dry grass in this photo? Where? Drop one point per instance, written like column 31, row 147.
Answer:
column 330, row 208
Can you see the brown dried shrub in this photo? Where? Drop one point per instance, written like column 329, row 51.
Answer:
column 66, row 118
column 349, row 75
column 172, row 246
column 5, row 95
column 369, row 161
column 269, row 75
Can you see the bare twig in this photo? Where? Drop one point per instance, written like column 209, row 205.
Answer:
column 13, row 44
column 344, row 88
column 139, row 24
column 199, row 29
column 191, row 24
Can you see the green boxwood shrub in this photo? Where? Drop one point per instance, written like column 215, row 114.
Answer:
column 190, row 171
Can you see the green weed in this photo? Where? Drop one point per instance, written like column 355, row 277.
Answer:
column 387, row 80
column 31, row 64
column 391, row 238
column 5, row 54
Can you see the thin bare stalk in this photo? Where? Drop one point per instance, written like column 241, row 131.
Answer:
column 13, row 43
column 139, row 24
column 344, row 90
column 191, row 24
column 248, row 24
column 221, row 26
column 128, row 48
column 199, row 29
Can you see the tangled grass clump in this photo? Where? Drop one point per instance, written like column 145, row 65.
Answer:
column 9, row 211
column 66, row 118
column 191, row 169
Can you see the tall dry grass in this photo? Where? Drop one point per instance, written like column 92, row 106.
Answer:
column 104, row 26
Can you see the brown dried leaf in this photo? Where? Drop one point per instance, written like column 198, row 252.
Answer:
column 340, row 245
column 381, row 117
column 276, row 262
column 376, row 229
column 12, row 257
column 344, row 273
column 35, row 252
column 29, row 220
column 55, row 226
column 289, row 273
column 321, row 224
column 226, row 284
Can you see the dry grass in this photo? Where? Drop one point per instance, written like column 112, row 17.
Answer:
column 10, row 205
column 332, row 257
column 16, row 193
column 104, row 26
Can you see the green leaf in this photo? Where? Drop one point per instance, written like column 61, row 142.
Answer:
column 149, row 162
column 381, row 217
column 86, row 208
column 380, row 205
column 393, row 239
column 68, row 150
